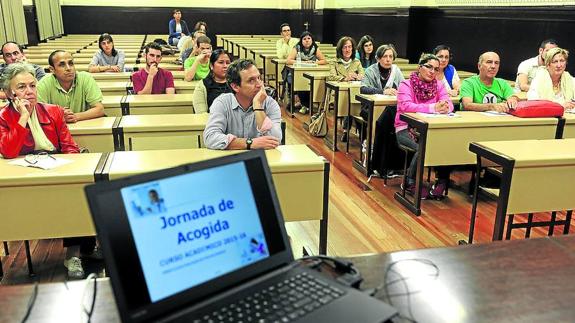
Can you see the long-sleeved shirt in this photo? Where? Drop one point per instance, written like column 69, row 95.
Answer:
column 283, row 49
column 407, row 101
column 227, row 117
column 371, row 83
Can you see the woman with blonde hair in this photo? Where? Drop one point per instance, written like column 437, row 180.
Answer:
column 553, row 82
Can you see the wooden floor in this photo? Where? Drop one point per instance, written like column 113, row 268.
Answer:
column 363, row 218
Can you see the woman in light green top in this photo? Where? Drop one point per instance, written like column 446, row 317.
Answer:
column 198, row 67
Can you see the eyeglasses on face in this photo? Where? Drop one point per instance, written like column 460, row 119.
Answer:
column 431, row 68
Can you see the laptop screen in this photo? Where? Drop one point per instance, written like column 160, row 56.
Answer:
column 177, row 237
column 200, row 231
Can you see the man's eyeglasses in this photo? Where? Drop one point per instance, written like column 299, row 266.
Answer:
column 285, row 30
column 431, row 68
column 33, row 159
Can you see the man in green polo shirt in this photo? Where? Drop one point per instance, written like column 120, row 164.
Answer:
column 77, row 92
column 485, row 92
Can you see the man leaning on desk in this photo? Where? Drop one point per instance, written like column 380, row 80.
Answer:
column 485, row 92
column 247, row 118
column 77, row 92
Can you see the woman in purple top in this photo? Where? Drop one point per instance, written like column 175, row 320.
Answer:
column 422, row 93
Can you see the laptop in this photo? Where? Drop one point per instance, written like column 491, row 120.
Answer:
column 206, row 242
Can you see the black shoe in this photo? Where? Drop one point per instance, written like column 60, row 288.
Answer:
column 344, row 137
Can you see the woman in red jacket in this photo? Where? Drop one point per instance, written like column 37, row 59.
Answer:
column 26, row 125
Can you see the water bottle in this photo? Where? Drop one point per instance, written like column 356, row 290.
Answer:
column 298, row 60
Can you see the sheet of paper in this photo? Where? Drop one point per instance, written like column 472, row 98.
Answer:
column 42, row 162
column 494, row 113
column 439, row 115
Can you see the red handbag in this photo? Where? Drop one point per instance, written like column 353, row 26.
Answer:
column 537, row 109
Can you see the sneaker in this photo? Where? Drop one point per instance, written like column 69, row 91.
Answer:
column 95, row 255
column 344, row 137
column 393, row 174
column 410, row 189
column 75, row 269
column 438, row 190
column 303, row 110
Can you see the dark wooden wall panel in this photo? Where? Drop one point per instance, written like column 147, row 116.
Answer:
column 31, row 25
column 513, row 32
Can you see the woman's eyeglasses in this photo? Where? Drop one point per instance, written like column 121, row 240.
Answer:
column 33, row 159
column 431, row 68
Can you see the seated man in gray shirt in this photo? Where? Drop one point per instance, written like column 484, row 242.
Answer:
column 12, row 53
column 108, row 58
column 247, row 118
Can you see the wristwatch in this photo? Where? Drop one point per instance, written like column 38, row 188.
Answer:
column 249, row 143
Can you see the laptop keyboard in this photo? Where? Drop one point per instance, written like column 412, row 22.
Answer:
column 285, row 301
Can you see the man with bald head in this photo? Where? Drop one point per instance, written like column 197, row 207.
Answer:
column 485, row 92
column 77, row 92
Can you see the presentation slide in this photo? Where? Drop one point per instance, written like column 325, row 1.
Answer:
column 192, row 228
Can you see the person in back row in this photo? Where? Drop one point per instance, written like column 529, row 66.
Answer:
column 108, row 58
column 306, row 50
column 198, row 67
column 527, row 69
column 285, row 44
column 12, row 53
column 447, row 73
column 152, row 79
column 346, row 68
column 485, row 92
column 214, row 84
column 178, row 28
column 247, row 118
column 77, row 92
column 554, row 83
column 365, row 51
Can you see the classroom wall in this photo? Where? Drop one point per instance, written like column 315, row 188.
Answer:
column 262, row 4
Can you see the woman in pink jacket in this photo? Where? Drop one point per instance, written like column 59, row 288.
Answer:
column 422, row 93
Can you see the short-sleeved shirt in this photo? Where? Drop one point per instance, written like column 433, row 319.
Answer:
column 101, row 59
column 202, row 70
column 228, row 117
column 473, row 88
column 528, row 67
column 163, row 80
column 83, row 94
column 38, row 70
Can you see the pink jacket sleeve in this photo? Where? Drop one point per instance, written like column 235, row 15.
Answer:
column 443, row 95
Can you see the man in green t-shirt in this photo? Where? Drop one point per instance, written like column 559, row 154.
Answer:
column 77, row 92
column 485, row 92
column 198, row 67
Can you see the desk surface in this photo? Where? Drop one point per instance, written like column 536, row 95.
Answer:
column 288, row 158
column 529, row 153
column 519, row 281
column 92, row 126
column 167, row 122
column 477, row 119
column 383, row 99
column 80, row 170
column 157, row 99
column 112, row 101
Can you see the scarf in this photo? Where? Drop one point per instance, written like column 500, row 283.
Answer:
column 545, row 85
column 424, row 91
column 41, row 142
column 347, row 63
column 306, row 54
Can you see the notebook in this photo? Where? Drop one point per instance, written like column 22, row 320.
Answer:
column 207, row 242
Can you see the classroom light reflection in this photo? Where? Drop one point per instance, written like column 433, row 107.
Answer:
column 425, row 287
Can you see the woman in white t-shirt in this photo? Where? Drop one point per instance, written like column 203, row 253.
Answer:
column 447, row 73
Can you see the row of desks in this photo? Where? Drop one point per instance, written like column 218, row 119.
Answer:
column 121, row 87
column 118, row 105
column 45, row 204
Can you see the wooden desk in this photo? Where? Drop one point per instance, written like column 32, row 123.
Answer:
column 343, row 98
column 111, row 76
column 169, row 131
column 300, row 176
column 113, row 105
column 445, row 140
column 316, row 87
column 569, row 129
column 475, row 283
column 299, row 83
column 158, row 104
column 548, row 164
column 114, row 88
column 46, row 204
column 97, row 135
column 183, row 87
